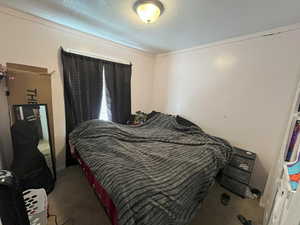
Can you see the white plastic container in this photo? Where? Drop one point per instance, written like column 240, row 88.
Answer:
column 36, row 205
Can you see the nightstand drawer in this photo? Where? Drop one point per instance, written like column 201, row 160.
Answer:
column 242, row 163
column 234, row 186
column 244, row 153
column 237, row 174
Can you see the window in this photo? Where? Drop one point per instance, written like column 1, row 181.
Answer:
column 104, row 111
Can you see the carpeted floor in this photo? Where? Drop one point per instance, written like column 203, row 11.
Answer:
column 74, row 203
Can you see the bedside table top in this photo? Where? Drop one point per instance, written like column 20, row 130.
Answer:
column 243, row 153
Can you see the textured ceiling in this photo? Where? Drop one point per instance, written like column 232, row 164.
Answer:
column 184, row 24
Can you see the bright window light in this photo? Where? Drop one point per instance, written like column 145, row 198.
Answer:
column 104, row 115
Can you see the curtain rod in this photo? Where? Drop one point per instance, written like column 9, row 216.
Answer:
column 94, row 55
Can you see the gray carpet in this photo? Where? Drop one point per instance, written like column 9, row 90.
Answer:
column 74, row 203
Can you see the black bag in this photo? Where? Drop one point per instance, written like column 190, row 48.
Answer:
column 29, row 164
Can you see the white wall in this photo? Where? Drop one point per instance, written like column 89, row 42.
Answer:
column 5, row 137
column 240, row 90
column 26, row 39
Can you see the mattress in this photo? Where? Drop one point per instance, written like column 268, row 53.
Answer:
column 101, row 193
column 155, row 173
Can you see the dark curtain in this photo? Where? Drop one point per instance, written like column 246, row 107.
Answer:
column 83, row 83
column 118, row 84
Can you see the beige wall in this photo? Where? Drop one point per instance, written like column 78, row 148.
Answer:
column 28, row 40
column 240, row 89
column 5, row 139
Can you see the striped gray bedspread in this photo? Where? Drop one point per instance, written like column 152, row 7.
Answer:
column 156, row 173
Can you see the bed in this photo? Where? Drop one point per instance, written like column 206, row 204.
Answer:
column 155, row 173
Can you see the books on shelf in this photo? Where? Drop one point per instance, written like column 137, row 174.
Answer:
column 293, row 170
column 294, row 144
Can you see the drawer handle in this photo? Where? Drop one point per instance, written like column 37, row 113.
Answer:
column 244, row 166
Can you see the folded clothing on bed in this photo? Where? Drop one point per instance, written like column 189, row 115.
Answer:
column 155, row 173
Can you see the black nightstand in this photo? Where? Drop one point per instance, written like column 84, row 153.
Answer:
column 236, row 176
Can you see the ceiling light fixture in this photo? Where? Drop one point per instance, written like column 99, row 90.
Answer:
column 148, row 10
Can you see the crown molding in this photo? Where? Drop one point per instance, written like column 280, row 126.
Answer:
column 258, row 35
column 56, row 26
column 38, row 20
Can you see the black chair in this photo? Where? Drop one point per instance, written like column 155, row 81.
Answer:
column 29, row 163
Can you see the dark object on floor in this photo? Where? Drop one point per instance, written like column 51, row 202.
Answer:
column 256, row 192
column 243, row 220
column 225, row 198
column 237, row 174
column 12, row 206
column 29, row 164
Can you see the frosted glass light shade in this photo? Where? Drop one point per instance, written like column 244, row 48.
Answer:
column 149, row 11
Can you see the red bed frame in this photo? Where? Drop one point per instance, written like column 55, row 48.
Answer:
column 101, row 193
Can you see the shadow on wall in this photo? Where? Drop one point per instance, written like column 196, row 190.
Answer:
column 59, row 120
column 259, row 175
